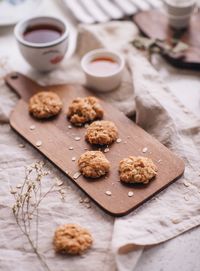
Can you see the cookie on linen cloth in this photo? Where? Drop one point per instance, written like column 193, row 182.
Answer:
column 137, row 170
column 93, row 164
column 101, row 133
column 72, row 239
column 45, row 104
column 84, row 110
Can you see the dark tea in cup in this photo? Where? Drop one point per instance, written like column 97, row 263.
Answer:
column 42, row 33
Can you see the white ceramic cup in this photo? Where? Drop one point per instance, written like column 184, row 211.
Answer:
column 179, row 12
column 103, row 82
column 42, row 56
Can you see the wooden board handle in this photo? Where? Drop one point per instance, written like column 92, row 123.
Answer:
column 22, row 85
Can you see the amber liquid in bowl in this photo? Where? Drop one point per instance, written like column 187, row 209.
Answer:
column 103, row 66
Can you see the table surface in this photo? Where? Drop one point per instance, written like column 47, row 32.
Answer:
column 181, row 253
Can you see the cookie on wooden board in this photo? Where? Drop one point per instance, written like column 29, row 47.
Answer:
column 101, row 133
column 93, row 164
column 84, row 110
column 137, row 169
column 45, row 104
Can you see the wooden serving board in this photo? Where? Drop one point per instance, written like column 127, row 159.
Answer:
column 56, row 139
column 154, row 24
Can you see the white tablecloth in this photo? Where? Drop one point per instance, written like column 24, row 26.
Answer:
column 150, row 94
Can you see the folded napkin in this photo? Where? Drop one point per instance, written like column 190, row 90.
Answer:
column 165, row 216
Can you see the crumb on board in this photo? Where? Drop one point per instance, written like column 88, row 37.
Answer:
column 145, row 149
column 108, row 193
column 38, row 143
column 32, row 127
column 119, row 140
column 130, row 193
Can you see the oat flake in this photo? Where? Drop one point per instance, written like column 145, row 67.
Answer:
column 32, row 127
column 21, row 145
column 77, row 138
column 38, row 143
column 108, row 193
column 144, row 150
column 77, row 175
column 71, row 148
column 187, row 184
column 175, row 220
column 118, row 140
column 59, row 182
column 130, row 193
column 106, row 150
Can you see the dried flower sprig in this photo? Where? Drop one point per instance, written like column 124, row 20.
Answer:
column 175, row 47
column 28, row 197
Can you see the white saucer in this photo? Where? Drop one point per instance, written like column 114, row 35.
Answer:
column 12, row 11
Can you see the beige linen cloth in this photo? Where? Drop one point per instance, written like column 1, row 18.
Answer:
column 170, row 213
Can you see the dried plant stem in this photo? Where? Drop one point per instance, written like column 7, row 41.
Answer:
column 26, row 208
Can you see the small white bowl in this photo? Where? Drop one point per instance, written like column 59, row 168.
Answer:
column 42, row 56
column 99, row 82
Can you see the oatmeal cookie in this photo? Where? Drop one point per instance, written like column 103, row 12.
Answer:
column 71, row 239
column 101, row 133
column 137, row 169
column 45, row 104
column 93, row 164
column 84, row 110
